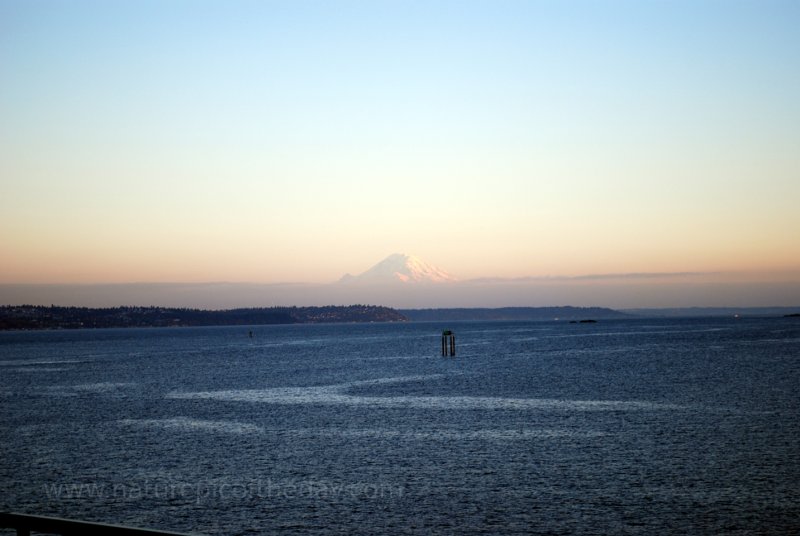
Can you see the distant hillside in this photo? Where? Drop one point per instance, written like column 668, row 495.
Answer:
column 512, row 313
column 41, row 317
column 674, row 312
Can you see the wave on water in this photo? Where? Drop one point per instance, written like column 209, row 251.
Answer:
column 105, row 388
column 337, row 394
column 631, row 333
column 37, row 362
column 101, row 387
column 429, row 435
column 38, row 369
column 187, row 424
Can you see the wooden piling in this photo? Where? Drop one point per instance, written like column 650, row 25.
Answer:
column 448, row 343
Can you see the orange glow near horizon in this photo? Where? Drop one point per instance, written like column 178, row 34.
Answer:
column 181, row 165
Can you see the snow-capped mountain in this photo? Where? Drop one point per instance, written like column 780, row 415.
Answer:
column 400, row 268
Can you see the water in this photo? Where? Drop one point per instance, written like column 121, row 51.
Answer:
column 635, row 426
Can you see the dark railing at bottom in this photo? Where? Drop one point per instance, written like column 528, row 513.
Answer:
column 25, row 524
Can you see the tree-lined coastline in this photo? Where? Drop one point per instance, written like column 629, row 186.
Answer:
column 56, row 317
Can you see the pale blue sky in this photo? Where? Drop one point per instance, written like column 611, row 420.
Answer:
column 273, row 141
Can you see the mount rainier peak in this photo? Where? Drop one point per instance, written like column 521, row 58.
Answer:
column 401, row 268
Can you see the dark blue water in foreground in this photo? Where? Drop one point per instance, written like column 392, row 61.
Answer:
column 637, row 426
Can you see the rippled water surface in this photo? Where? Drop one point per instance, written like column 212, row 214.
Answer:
column 635, row 426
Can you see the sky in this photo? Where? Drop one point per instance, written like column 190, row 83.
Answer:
column 271, row 142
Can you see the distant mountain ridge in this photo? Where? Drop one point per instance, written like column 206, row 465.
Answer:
column 400, row 268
